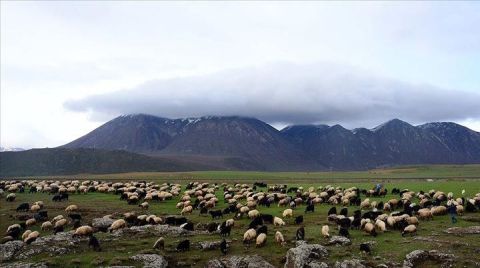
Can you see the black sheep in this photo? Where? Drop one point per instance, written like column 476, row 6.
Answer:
column 364, row 247
column 310, row 208
column 267, row 218
column 299, row 219
column 344, row 212
column 188, row 226
column 332, row 211
column 57, row 229
column 184, row 245
column 23, row 207
column 216, row 214
column 203, row 210
column 255, row 222
column 93, row 243
column 75, row 216
column 344, row 223
column 344, row 232
column 300, row 235
column 180, row 220
column 223, row 247
column 224, row 231
column 262, row 229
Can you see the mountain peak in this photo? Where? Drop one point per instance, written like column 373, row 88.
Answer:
column 394, row 123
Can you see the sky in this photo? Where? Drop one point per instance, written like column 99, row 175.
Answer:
column 68, row 67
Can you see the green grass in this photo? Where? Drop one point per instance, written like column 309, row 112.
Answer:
column 390, row 246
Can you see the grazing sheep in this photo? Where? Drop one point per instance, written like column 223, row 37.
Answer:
column 365, row 204
column 32, row 237
column 310, row 208
column 30, row 222
column 279, row 238
column 159, row 244
column 380, row 226
column 364, row 247
column 71, row 208
column 370, row 229
column 25, row 234
column 11, row 197
column 261, row 240
column 344, row 232
column 300, row 234
column 23, row 207
column 83, row 231
column 299, row 219
column 249, row 235
column 223, row 246
column 93, row 243
column 216, row 214
column 184, row 245
column 252, row 214
column 57, row 218
column 187, row 210
column 440, row 210
column 144, row 205
column 230, row 222
column 332, row 211
column 425, row 214
column 325, row 231
column 35, row 208
column 287, row 213
column 278, row 222
column 118, row 224
column 412, row 220
column 410, row 229
column 47, row 226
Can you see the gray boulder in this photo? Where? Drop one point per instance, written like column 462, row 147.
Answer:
column 354, row 263
column 151, row 260
column 249, row 261
column 463, row 230
column 304, row 254
column 24, row 265
column 339, row 241
column 9, row 249
column 102, row 223
column 416, row 257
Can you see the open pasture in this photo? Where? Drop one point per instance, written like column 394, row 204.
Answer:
column 389, row 247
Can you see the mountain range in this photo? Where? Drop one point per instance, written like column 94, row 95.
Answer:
column 242, row 143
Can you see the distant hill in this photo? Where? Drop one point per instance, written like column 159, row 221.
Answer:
column 11, row 149
column 241, row 143
column 62, row 161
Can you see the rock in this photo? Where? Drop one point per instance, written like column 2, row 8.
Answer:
column 382, row 265
column 102, row 223
column 316, row 264
column 463, row 230
column 249, row 261
column 151, row 260
column 58, row 244
column 416, row 257
column 9, row 249
column 304, row 254
column 208, row 245
column 354, row 263
column 339, row 240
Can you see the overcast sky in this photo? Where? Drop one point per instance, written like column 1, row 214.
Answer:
column 68, row 67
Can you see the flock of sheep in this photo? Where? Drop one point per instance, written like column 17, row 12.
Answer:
column 403, row 213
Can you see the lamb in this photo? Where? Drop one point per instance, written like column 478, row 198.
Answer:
column 325, row 231
column 249, row 235
column 83, row 231
column 261, row 240
column 279, row 238
column 410, row 229
column 287, row 213
column 278, row 222
column 159, row 244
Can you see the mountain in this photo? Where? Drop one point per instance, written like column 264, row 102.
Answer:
column 150, row 143
column 393, row 143
column 239, row 142
column 62, row 161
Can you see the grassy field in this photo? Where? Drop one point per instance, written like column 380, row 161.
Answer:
column 389, row 247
